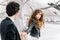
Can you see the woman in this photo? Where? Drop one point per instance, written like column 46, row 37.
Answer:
column 35, row 23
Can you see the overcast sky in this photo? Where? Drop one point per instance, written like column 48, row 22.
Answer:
column 44, row 1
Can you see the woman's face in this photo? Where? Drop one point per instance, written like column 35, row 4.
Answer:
column 38, row 16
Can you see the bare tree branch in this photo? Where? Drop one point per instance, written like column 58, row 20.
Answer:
column 2, row 4
column 51, row 6
column 30, row 6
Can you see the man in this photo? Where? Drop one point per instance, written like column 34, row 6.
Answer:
column 8, row 28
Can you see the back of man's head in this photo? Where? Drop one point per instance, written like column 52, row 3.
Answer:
column 12, row 8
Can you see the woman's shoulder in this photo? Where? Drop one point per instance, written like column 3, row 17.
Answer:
column 32, row 22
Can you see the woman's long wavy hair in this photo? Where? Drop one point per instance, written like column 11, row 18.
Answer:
column 39, row 22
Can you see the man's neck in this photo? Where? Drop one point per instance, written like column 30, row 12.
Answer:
column 13, row 17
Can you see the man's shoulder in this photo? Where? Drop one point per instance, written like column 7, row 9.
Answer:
column 6, row 21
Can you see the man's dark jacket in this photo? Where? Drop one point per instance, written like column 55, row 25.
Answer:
column 9, row 30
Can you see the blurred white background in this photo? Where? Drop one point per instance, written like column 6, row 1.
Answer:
column 51, row 29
